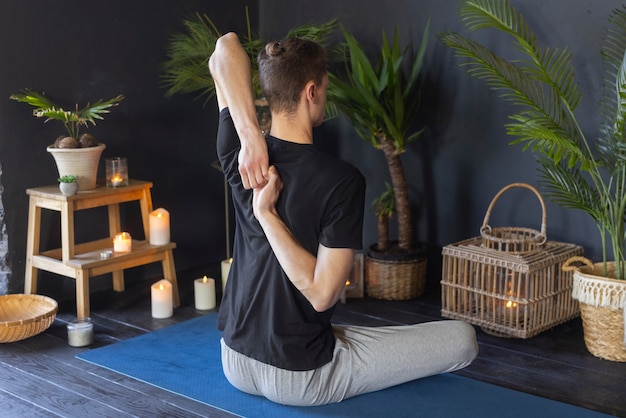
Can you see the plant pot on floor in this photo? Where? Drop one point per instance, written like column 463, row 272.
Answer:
column 602, row 302
column 80, row 162
column 395, row 276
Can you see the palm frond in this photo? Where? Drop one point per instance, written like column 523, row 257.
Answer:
column 526, row 87
column 568, row 188
column 612, row 142
column 72, row 119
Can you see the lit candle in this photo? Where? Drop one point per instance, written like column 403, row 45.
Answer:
column 204, row 292
column 225, row 270
column 159, row 227
column 116, row 172
column 116, row 180
column 122, row 243
column 162, row 306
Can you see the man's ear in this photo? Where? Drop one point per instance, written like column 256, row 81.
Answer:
column 310, row 90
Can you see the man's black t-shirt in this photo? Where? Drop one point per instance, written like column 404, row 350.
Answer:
column 262, row 315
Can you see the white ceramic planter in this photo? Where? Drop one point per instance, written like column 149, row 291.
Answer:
column 80, row 162
column 68, row 189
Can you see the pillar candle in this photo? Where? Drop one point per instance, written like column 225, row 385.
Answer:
column 159, row 227
column 204, row 292
column 225, row 270
column 122, row 243
column 162, row 305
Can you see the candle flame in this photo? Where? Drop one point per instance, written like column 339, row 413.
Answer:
column 122, row 236
column 205, row 279
column 161, row 287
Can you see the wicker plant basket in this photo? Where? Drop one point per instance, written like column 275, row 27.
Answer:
column 395, row 279
column 602, row 303
column 23, row 316
column 517, row 240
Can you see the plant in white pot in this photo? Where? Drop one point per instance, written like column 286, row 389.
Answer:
column 576, row 172
column 68, row 185
column 75, row 154
column 381, row 101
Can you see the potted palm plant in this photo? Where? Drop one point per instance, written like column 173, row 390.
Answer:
column 381, row 101
column 575, row 172
column 75, row 154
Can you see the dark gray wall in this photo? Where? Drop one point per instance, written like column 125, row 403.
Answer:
column 80, row 51
column 463, row 159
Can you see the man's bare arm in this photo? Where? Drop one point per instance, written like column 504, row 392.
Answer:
column 232, row 74
column 321, row 279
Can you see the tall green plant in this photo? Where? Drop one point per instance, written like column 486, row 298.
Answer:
column 382, row 102
column 188, row 52
column 576, row 172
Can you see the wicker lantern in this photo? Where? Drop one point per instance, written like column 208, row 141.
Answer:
column 509, row 281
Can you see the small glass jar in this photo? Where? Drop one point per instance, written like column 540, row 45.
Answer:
column 117, row 172
column 80, row 332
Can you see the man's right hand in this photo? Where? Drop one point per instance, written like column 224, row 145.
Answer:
column 254, row 162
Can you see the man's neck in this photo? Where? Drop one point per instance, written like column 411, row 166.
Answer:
column 291, row 128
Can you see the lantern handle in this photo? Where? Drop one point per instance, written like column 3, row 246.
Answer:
column 486, row 228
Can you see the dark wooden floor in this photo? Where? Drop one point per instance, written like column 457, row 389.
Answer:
column 39, row 377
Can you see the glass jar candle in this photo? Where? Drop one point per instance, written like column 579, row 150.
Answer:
column 80, row 332
column 116, row 172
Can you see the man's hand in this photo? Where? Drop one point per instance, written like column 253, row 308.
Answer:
column 253, row 163
column 265, row 198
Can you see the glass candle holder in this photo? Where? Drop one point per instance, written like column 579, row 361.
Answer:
column 116, row 172
column 80, row 332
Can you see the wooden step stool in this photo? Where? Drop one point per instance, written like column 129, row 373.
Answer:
column 83, row 261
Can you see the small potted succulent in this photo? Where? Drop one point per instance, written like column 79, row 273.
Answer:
column 68, row 185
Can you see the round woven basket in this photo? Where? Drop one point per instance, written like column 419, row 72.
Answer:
column 23, row 316
column 514, row 239
column 395, row 279
column 602, row 301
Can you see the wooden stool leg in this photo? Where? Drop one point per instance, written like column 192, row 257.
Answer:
column 82, row 294
column 118, row 281
column 169, row 272
column 115, row 226
column 32, row 246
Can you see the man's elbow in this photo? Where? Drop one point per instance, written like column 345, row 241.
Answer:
column 220, row 52
column 324, row 303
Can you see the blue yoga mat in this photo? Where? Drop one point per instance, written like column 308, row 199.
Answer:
column 185, row 359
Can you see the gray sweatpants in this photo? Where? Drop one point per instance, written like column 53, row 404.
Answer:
column 365, row 359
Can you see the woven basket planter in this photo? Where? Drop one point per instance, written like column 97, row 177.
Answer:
column 80, row 162
column 602, row 303
column 395, row 279
column 23, row 316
